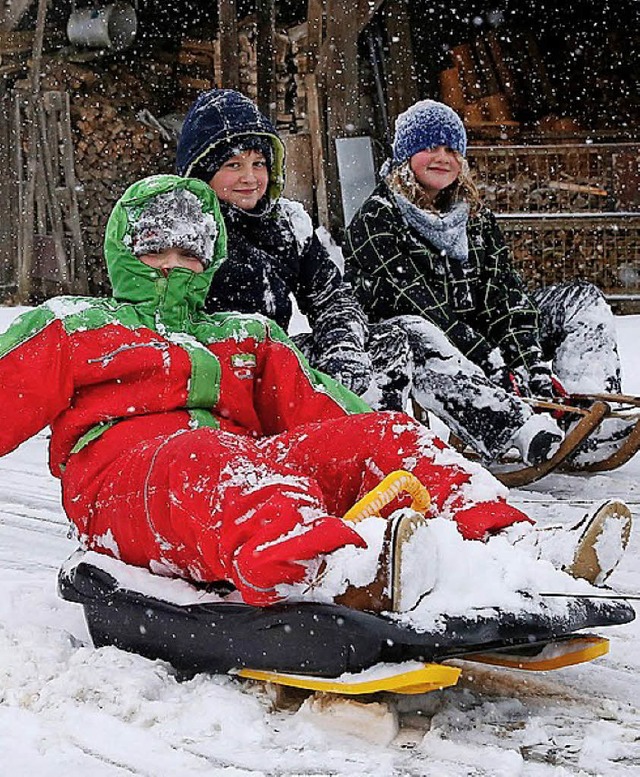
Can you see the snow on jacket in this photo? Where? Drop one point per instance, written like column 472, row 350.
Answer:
column 480, row 304
column 84, row 365
column 275, row 256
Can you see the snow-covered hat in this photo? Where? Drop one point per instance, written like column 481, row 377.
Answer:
column 175, row 219
column 427, row 124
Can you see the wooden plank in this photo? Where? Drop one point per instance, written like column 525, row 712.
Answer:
column 299, row 183
column 11, row 13
column 228, row 20
column 402, row 89
column 52, row 203
column 28, row 204
column 316, row 131
column 342, row 92
column 266, row 61
column 315, row 14
column 9, row 224
column 69, row 195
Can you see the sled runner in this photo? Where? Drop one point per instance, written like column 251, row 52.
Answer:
column 585, row 414
column 325, row 647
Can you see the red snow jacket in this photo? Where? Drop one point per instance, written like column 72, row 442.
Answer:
column 83, row 365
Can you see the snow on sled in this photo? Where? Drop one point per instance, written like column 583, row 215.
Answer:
column 321, row 647
column 604, row 434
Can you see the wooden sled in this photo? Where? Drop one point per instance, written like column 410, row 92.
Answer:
column 591, row 410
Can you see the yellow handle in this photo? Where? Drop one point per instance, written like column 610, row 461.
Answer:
column 386, row 491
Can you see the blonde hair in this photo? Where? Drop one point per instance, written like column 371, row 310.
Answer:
column 402, row 179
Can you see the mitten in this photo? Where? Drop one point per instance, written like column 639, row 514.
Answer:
column 541, row 382
column 502, row 377
column 348, row 366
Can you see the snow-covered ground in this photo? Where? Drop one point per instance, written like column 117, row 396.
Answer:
column 66, row 708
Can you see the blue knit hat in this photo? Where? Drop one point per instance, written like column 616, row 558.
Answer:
column 427, row 124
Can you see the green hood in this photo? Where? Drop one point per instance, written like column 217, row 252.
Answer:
column 135, row 282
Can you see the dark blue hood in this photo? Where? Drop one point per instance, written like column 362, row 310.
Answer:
column 220, row 117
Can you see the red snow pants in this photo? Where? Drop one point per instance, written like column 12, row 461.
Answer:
column 212, row 505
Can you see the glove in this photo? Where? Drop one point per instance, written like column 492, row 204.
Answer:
column 503, row 378
column 348, row 366
column 541, row 382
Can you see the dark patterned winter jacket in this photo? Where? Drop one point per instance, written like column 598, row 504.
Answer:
column 480, row 304
column 276, row 255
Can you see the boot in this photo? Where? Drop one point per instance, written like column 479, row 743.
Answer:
column 590, row 549
column 604, row 441
column 602, row 543
column 385, row 592
column 537, row 439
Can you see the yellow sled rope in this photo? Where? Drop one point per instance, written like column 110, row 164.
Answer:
column 385, row 492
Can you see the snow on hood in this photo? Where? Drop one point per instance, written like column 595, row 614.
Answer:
column 133, row 281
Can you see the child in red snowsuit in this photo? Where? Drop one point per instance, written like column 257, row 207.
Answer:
column 204, row 446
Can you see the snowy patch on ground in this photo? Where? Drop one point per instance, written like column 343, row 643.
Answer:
column 66, row 707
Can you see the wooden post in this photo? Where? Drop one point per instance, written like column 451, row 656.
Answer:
column 25, row 260
column 79, row 267
column 316, row 132
column 266, row 11
column 402, row 84
column 9, row 223
column 341, row 84
column 52, row 204
column 228, row 23
column 315, row 110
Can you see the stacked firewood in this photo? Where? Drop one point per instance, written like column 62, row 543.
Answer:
column 112, row 147
column 199, row 69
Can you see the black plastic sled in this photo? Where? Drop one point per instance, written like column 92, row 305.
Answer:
column 323, row 640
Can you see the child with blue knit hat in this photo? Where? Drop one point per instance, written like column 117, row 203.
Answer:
column 428, row 124
column 426, row 257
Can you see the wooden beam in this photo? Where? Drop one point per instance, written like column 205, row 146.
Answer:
column 315, row 29
column 317, row 133
column 266, row 61
column 340, row 82
column 228, row 23
column 402, row 89
column 25, row 259
column 11, row 11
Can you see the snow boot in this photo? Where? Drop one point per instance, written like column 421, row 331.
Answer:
column 537, row 439
column 604, row 441
column 385, row 592
column 602, row 543
column 399, row 549
column 590, row 549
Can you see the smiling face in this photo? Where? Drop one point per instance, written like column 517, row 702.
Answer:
column 172, row 257
column 242, row 180
column 435, row 169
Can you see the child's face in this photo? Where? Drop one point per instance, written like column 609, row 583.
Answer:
column 436, row 168
column 173, row 257
column 242, row 180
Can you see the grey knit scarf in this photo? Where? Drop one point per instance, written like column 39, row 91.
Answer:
column 446, row 231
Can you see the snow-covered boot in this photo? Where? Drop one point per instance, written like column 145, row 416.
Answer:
column 393, row 572
column 387, row 592
column 537, row 439
column 590, row 549
column 603, row 540
column 604, row 441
